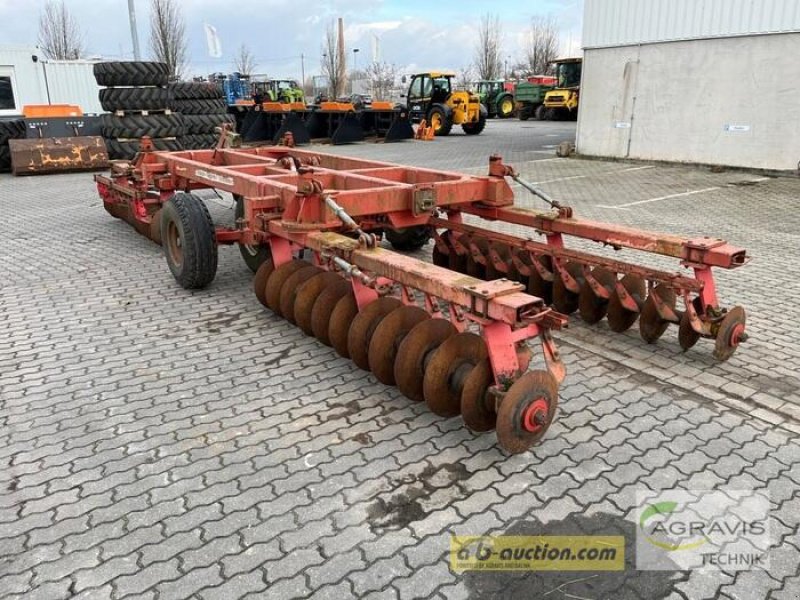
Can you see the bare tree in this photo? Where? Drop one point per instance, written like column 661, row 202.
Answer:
column 381, row 77
column 333, row 66
column 168, row 43
column 244, row 62
column 487, row 48
column 60, row 36
column 541, row 46
column 464, row 78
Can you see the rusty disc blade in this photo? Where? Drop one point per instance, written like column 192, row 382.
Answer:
column 276, row 280
column 364, row 325
column 730, row 332
column 289, row 289
column 537, row 285
column 324, row 307
column 260, row 280
column 687, row 336
column 442, row 259
column 388, row 336
column 306, row 296
column 447, row 369
column 476, row 407
column 538, row 387
column 593, row 308
column 651, row 325
column 564, row 300
column 339, row 323
column 503, row 252
column 620, row 318
column 415, row 351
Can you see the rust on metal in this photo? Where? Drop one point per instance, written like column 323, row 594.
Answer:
column 57, row 155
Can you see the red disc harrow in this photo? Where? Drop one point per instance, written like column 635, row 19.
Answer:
column 454, row 333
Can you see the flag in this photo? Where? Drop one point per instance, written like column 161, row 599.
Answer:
column 212, row 41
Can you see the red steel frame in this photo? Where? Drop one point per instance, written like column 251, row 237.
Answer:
column 285, row 192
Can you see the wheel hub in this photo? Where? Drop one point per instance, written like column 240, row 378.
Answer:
column 535, row 416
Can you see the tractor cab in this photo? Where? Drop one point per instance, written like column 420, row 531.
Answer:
column 562, row 102
column 284, row 91
column 499, row 101
column 431, row 96
column 568, row 73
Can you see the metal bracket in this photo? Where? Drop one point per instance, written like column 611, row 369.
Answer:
column 424, row 200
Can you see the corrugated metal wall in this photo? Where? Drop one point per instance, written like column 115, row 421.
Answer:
column 625, row 22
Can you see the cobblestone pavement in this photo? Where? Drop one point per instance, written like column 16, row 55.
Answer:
column 159, row 443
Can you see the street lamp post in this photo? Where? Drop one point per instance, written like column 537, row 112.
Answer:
column 352, row 77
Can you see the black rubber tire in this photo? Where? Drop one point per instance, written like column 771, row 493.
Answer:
column 200, row 124
column 5, row 159
column 540, row 113
column 194, row 90
column 408, row 239
column 126, row 150
column 11, row 129
column 197, row 266
column 524, row 113
column 475, row 128
column 137, row 126
column 134, row 98
column 201, row 141
column 130, row 73
column 499, row 103
column 254, row 256
column 203, row 106
column 446, row 116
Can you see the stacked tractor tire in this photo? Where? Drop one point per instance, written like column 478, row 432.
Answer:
column 138, row 102
column 11, row 129
column 204, row 110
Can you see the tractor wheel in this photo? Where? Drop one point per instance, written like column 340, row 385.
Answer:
column 253, row 256
column 475, row 128
column 541, row 113
column 203, row 124
column 524, row 113
column 134, row 98
column 505, row 106
column 192, row 90
column 408, row 239
column 137, row 126
column 189, row 240
column 440, row 119
column 200, row 106
column 130, row 73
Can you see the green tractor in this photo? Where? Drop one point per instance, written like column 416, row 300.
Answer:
column 499, row 102
column 285, row 91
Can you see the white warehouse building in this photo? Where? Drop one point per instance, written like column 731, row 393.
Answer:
column 701, row 81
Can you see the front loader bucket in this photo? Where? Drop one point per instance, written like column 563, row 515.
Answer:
column 294, row 123
column 57, row 155
column 259, row 128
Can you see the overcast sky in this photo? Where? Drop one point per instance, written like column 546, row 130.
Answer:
column 413, row 34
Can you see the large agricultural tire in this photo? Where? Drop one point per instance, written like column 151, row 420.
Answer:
column 12, row 129
column 541, row 113
column 135, row 98
column 505, row 106
column 525, row 113
column 475, row 128
column 200, row 124
column 5, row 159
column 408, row 239
column 201, row 141
column 204, row 106
column 126, row 150
column 137, row 126
column 130, row 73
column 254, row 256
column 189, row 240
column 191, row 90
column 443, row 116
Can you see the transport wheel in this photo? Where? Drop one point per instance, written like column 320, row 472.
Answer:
column 687, row 336
column 409, row 239
column 526, row 411
column 363, row 327
column 289, row 289
column 415, row 352
column 447, row 371
column 388, row 336
column 537, row 285
column 155, row 227
column 260, row 280
column 620, row 318
column 651, row 325
column 593, row 308
column 254, row 256
column 277, row 279
column 477, row 409
column 730, row 333
column 189, row 240
column 323, row 311
column 307, row 294
column 565, row 300
column 342, row 317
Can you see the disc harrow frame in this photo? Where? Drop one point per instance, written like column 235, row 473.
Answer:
column 329, row 211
